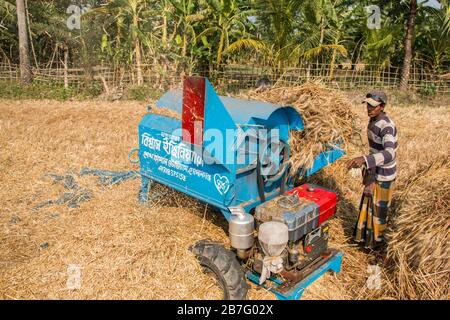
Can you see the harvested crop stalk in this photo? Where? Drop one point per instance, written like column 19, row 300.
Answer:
column 418, row 250
column 329, row 121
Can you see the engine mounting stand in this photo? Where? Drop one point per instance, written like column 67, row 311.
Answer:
column 294, row 291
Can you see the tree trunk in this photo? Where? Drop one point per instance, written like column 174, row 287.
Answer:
column 137, row 50
column 138, row 58
column 322, row 30
column 219, row 50
column 184, row 49
column 66, row 66
column 164, row 35
column 333, row 61
column 87, row 64
column 322, row 38
column 30, row 35
column 408, row 45
column 308, row 71
column 25, row 69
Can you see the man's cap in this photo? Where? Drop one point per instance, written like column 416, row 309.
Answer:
column 375, row 98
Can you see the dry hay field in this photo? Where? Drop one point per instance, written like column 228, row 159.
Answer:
column 129, row 251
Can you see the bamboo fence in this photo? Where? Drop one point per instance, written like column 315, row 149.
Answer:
column 234, row 77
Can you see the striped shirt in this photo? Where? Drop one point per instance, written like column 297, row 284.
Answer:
column 382, row 135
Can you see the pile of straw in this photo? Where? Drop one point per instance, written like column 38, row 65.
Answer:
column 419, row 250
column 327, row 115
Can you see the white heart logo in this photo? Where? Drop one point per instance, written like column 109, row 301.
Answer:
column 222, row 183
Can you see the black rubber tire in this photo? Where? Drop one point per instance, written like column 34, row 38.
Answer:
column 223, row 263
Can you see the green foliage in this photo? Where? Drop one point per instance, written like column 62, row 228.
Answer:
column 203, row 34
column 428, row 90
column 433, row 36
column 142, row 93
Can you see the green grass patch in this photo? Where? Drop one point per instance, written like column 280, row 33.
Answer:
column 50, row 90
column 142, row 93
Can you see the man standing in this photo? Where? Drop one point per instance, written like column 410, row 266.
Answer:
column 379, row 172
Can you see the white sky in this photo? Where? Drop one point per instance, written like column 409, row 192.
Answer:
column 431, row 3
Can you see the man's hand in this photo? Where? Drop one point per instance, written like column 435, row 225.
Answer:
column 356, row 163
column 368, row 190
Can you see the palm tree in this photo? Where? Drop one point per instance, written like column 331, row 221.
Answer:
column 25, row 68
column 433, row 36
column 302, row 29
column 331, row 31
column 408, row 45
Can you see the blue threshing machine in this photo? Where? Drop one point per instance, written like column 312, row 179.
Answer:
column 234, row 155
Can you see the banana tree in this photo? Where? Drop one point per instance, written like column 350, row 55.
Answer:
column 277, row 22
column 380, row 45
column 187, row 14
column 278, row 19
column 130, row 17
column 227, row 22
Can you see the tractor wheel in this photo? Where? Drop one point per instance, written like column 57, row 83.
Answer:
column 224, row 267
